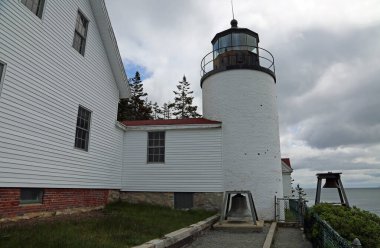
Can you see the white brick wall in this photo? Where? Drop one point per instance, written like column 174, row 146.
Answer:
column 245, row 102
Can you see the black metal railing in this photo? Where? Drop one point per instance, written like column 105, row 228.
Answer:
column 264, row 58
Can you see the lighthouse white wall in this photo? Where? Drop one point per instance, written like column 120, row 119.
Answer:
column 245, row 102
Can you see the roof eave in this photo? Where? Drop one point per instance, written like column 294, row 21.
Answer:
column 286, row 168
column 109, row 41
column 166, row 127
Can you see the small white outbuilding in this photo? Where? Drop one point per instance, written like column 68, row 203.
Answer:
column 287, row 177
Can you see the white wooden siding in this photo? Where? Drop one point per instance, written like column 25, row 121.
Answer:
column 192, row 162
column 45, row 82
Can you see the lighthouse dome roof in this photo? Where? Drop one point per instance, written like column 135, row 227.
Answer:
column 235, row 30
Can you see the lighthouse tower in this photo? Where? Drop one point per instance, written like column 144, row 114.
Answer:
column 239, row 89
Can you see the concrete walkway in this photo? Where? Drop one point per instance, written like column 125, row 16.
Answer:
column 220, row 239
column 288, row 237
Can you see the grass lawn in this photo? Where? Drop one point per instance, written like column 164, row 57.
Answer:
column 118, row 225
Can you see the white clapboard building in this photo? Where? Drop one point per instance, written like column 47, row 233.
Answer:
column 287, row 177
column 61, row 81
column 61, row 148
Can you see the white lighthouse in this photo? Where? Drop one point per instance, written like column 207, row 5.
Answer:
column 239, row 89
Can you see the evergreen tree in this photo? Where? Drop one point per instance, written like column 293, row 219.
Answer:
column 135, row 107
column 157, row 111
column 183, row 101
column 167, row 110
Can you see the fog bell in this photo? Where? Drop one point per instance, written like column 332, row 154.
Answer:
column 331, row 183
column 239, row 207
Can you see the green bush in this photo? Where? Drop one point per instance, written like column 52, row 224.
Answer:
column 350, row 223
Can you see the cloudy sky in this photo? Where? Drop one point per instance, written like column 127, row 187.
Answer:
column 327, row 66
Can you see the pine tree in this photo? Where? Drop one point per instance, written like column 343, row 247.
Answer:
column 135, row 107
column 183, row 101
column 167, row 110
column 157, row 111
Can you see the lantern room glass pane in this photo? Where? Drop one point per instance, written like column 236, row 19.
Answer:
column 215, row 48
column 252, row 43
column 225, row 43
column 239, row 41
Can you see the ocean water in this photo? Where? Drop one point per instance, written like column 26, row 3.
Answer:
column 364, row 198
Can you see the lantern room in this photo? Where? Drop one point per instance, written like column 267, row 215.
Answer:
column 235, row 41
column 236, row 48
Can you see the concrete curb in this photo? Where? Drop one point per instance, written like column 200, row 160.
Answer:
column 270, row 235
column 182, row 236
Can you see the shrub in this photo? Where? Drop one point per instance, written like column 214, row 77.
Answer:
column 350, row 223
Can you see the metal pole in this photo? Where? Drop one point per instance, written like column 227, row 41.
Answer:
column 343, row 192
column 275, row 208
column 252, row 206
column 224, row 207
column 318, row 193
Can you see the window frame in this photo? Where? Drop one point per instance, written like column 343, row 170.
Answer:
column 2, row 75
column 87, row 140
column 40, row 195
column 40, row 8
column 155, row 147
column 83, row 43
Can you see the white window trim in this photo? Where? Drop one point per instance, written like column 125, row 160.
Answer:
column 147, row 148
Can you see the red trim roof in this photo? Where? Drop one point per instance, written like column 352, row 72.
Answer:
column 286, row 161
column 189, row 121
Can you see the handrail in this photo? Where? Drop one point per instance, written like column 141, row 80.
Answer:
column 266, row 56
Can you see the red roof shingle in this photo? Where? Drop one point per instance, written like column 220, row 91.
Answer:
column 286, row 161
column 189, row 121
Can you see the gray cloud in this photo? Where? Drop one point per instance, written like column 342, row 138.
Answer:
column 331, row 89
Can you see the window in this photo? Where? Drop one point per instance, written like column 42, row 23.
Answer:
column 239, row 40
column 252, row 43
column 156, row 147
column 225, row 43
column 82, row 132
column 80, row 33
column 216, row 48
column 2, row 70
column 36, row 6
column 29, row 195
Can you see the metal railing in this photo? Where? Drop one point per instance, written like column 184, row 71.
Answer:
column 266, row 59
column 290, row 210
column 322, row 234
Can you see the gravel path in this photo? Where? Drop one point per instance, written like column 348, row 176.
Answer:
column 290, row 238
column 220, row 239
